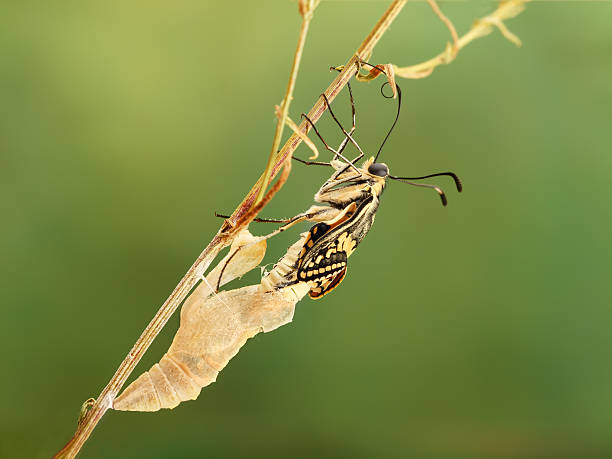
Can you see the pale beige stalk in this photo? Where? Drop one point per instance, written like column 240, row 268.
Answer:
column 506, row 10
column 306, row 8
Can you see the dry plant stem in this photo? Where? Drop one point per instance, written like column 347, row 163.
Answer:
column 447, row 22
column 506, row 10
column 239, row 219
column 280, row 125
column 348, row 71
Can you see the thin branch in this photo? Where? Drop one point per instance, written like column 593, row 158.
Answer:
column 241, row 217
column 306, row 8
column 348, row 71
column 296, row 129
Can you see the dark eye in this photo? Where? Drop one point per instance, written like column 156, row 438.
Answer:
column 379, row 169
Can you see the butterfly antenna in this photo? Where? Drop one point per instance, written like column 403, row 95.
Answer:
column 399, row 106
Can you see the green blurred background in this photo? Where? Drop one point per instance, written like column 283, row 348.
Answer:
column 480, row 330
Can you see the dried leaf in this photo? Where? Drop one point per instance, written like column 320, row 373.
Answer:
column 390, row 72
column 387, row 69
column 372, row 74
column 246, row 253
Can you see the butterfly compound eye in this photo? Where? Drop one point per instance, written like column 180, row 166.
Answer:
column 379, row 169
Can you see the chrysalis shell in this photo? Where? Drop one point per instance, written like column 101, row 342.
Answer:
column 213, row 329
column 209, row 336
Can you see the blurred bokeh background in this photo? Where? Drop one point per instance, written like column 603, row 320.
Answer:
column 480, row 330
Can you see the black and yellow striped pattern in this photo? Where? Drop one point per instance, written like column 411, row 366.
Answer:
column 326, row 265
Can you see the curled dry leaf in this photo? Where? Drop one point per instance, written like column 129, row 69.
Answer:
column 390, row 72
column 213, row 329
column 387, row 69
column 372, row 74
column 246, row 252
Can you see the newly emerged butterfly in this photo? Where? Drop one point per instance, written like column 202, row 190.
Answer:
column 215, row 325
column 353, row 194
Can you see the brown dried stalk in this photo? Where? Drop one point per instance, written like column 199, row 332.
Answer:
column 241, row 217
